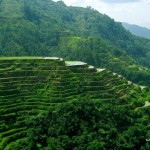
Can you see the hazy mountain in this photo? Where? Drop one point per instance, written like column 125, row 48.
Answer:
column 137, row 30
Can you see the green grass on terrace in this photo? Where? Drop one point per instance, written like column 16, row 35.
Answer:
column 23, row 57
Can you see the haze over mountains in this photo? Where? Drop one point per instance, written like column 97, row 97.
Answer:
column 137, row 30
column 47, row 28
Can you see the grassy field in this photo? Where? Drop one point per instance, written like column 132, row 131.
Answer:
column 23, row 57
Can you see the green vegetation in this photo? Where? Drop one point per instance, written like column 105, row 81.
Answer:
column 47, row 28
column 49, row 104
column 20, row 58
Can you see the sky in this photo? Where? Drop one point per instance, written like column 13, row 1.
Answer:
column 130, row 11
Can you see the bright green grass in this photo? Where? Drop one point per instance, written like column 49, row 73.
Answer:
column 24, row 57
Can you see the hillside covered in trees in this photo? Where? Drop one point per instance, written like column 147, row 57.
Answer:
column 48, row 103
column 47, row 28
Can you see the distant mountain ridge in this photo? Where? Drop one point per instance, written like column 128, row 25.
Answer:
column 137, row 30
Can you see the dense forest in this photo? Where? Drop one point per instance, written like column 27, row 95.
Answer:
column 86, row 125
column 47, row 28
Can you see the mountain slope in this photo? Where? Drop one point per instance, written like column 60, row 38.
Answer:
column 48, row 28
column 35, row 89
column 137, row 30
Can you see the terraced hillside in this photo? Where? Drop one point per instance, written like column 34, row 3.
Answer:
column 31, row 86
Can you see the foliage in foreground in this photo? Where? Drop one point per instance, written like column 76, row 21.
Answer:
column 86, row 124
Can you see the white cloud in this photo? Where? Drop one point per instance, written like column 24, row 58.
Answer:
column 130, row 11
column 120, row 1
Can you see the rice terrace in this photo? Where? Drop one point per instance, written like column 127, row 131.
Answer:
column 31, row 86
